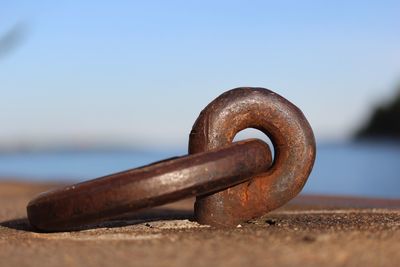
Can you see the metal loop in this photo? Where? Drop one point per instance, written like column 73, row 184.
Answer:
column 293, row 142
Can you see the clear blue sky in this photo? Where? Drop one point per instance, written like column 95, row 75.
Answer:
column 141, row 71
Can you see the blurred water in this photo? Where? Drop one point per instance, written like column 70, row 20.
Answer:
column 362, row 169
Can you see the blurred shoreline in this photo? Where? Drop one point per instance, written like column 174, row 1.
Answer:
column 128, row 148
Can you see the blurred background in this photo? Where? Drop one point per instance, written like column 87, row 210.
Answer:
column 88, row 88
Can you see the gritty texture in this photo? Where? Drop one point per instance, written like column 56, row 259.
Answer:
column 309, row 231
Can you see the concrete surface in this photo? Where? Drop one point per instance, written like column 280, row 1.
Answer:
column 309, row 231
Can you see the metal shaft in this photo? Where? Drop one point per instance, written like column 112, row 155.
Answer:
column 149, row 186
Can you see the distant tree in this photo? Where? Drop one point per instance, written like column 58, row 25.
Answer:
column 384, row 122
column 11, row 39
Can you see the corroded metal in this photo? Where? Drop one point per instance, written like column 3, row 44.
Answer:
column 293, row 142
column 152, row 185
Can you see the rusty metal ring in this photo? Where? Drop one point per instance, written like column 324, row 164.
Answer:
column 149, row 186
column 293, row 141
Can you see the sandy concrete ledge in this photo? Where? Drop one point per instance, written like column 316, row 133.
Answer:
column 309, row 231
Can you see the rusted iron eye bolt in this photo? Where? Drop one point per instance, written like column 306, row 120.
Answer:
column 233, row 182
column 294, row 145
column 162, row 182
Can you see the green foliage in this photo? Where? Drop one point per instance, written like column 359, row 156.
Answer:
column 384, row 122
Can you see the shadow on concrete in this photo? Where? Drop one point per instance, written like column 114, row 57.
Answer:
column 156, row 214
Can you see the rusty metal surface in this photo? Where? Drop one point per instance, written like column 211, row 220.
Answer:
column 293, row 142
column 152, row 185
